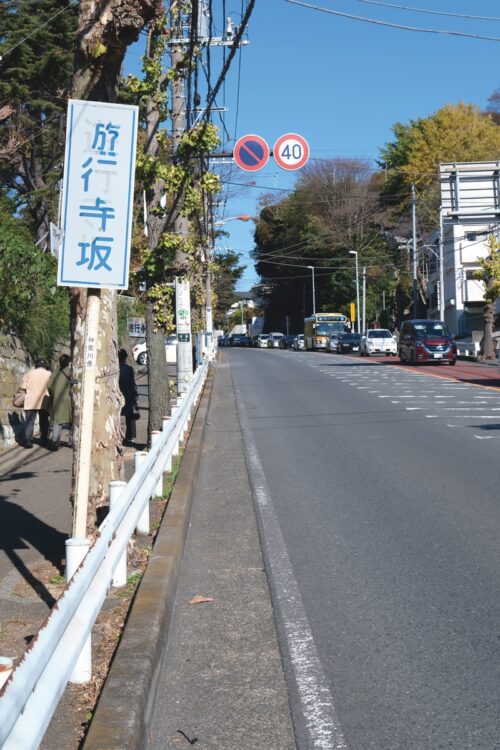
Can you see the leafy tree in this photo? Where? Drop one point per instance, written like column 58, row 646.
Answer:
column 36, row 69
column 227, row 273
column 102, row 40
column 456, row 132
column 490, row 276
column 334, row 208
column 31, row 305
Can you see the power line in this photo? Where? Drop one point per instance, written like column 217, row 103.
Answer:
column 398, row 26
column 430, row 12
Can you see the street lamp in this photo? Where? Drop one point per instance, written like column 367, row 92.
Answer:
column 358, row 321
column 243, row 217
column 313, row 290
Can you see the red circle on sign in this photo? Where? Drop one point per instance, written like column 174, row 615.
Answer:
column 251, row 153
column 291, row 151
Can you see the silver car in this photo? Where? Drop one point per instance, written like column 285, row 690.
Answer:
column 299, row 343
column 274, row 339
column 332, row 345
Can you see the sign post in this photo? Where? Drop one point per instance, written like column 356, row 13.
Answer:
column 97, row 201
column 184, row 342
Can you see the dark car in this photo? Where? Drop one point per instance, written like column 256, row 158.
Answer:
column 239, row 339
column 349, row 342
column 426, row 341
column 286, row 342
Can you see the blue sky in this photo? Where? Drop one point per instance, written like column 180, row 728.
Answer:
column 342, row 84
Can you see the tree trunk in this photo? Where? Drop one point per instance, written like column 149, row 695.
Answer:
column 158, row 388
column 105, row 29
column 107, row 454
column 159, row 401
column 488, row 345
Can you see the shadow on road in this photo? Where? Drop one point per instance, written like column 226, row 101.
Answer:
column 20, row 529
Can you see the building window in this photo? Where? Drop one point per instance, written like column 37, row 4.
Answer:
column 471, row 237
column 469, row 275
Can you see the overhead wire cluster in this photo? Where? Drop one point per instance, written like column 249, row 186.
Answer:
column 400, row 26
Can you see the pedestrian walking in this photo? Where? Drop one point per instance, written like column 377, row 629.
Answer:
column 59, row 389
column 126, row 383
column 36, row 401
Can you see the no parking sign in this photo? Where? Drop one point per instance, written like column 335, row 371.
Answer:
column 251, row 153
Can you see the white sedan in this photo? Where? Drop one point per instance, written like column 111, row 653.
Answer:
column 141, row 354
column 378, row 341
column 262, row 341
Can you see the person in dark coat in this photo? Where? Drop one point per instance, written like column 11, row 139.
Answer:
column 126, row 383
column 59, row 389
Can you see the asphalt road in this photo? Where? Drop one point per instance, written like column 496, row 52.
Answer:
column 377, row 501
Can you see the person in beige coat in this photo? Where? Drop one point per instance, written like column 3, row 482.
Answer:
column 36, row 401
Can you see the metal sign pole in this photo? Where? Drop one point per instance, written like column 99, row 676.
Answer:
column 87, row 415
column 184, row 341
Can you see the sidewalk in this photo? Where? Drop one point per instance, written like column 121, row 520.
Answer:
column 218, row 680
column 35, row 520
column 221, row 679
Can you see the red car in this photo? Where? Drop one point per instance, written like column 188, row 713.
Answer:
column 426, row 341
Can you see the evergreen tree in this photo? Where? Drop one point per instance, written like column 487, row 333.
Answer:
column 36, row 45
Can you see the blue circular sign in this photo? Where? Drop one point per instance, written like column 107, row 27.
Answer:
column 251, row 153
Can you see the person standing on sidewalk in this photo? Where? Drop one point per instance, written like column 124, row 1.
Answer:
column 126, row 383
column 59, row 389
column 36, row 402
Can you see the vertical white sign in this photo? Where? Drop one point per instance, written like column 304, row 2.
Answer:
column 183, row 310
column 98, row 190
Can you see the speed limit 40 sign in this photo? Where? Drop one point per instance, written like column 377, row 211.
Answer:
column 291, row 151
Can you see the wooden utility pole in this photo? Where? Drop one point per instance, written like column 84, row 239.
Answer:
column 181, row 223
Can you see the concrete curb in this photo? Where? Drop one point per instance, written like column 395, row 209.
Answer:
column 122, row 717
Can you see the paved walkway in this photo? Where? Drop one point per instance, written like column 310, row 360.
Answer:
column 222, row 681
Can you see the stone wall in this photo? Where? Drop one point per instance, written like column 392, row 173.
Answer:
column 14, row 361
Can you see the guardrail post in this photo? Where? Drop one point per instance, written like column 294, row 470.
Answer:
column 76, row 549
column 155, row 436
column 173, row 409
column 119, row 578
column 182, row 399
column 6, row 667
column 143, row 522
column 165, row 426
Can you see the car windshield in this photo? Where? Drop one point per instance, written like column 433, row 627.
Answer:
column 380, row 334
column 326, row 329
column 429, row 328
column 351, row 337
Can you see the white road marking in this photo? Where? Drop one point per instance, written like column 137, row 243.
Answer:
column 477, row 416
column 487, row 437
column 431, row 416
column 413, row 408
column 314, row 693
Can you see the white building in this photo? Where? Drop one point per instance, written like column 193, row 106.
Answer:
column 470, row 214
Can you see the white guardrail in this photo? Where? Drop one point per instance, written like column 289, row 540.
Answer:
column 61, row 650
column 469, row 349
